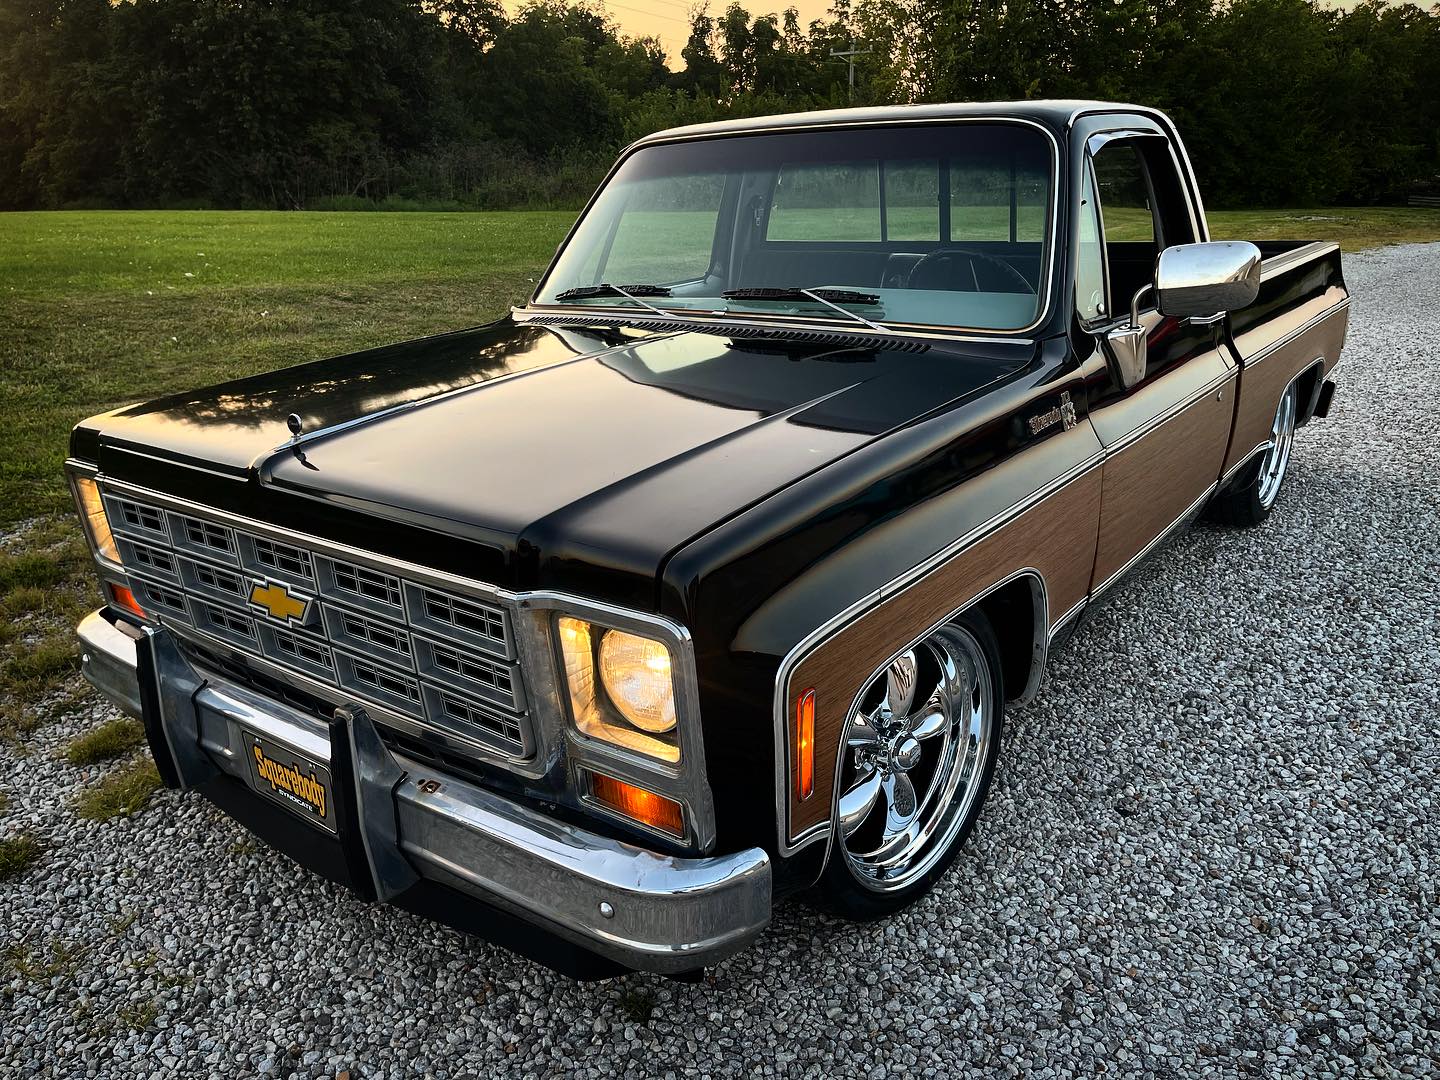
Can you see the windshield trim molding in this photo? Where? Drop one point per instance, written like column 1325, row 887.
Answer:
column 970, row 332
column 550, row 314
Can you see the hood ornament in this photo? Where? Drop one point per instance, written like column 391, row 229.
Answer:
column 295, row 424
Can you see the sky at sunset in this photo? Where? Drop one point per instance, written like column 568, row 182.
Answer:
column 668, row 19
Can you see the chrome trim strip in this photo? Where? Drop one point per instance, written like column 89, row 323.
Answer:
column 1163, row 535
column 1288, row 260
column 811, row 641
column 1066, row 619
column 1279, row 343
column 661, row 138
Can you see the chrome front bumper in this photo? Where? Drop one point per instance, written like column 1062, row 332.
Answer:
column 642, row 910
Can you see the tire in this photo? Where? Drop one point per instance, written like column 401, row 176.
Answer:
column 935, row 749
column 1250, row 498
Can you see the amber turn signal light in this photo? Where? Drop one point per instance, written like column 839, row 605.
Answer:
column 805, row 744
column 638, row 804
column 125, row 599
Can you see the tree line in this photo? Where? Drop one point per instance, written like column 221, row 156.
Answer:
column 455, row 103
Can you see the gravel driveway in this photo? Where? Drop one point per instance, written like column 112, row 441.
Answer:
column 1212, row 848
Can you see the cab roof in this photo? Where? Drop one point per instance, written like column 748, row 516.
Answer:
column 1054, row 114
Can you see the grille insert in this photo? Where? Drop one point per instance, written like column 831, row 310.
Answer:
column 225, row 581
column 430, row 660
column 377, row 634
column 475, row 669
column 302, row 649
column 367, row 583
column 225, row 622
column 158, row 596
column 469, row 717
column 386, row 682
column 142, row 517
column 205, row 534
column 464, row 615
column 285, row 559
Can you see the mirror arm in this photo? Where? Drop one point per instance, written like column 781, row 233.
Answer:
column 1148, row 287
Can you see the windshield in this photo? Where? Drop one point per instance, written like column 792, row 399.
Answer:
column 937, row 225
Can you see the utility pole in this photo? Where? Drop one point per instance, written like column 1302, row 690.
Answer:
column 849, row 57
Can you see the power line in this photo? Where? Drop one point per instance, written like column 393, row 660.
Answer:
column 651, row 14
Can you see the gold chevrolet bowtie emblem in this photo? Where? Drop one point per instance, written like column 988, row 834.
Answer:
column 278, row 602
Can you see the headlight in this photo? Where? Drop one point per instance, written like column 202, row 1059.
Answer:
column 92, row 516
column 632, row 703
column 636, row 674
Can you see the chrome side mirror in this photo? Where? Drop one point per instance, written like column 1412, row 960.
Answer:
column 1190, row 280
column 1207, row 279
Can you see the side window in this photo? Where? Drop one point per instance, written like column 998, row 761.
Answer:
column 1144, row 206
column 830, row 201
column 665, row 234
column 1128, row 214
column 1125, row 194
column 1090, row 258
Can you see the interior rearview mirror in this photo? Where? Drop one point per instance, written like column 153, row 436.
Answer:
column 1207, row 279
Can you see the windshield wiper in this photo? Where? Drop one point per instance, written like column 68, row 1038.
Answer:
column 630, row 292
column 831, row 298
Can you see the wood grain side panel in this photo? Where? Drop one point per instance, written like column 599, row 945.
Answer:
column 1262, row 382
column 1271, row 329
column 1151, row 482
column 1055, row 536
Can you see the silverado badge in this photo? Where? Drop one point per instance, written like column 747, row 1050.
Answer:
column 274, row 599
column 1064, row 413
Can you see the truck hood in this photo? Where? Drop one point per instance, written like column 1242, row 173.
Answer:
column 569, row 454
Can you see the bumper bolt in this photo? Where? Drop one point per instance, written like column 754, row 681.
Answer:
column 606, row 909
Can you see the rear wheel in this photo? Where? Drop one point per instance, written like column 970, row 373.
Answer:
column 920, row 751
column 1250, row 500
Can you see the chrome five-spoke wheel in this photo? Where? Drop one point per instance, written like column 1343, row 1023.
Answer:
column 918, row 752
column 1277, row 458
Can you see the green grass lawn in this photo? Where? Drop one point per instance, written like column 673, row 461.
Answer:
column 97, row 309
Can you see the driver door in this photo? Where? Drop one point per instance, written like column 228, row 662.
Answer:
column 1165, row 437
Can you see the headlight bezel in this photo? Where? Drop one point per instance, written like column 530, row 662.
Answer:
column 682, row 778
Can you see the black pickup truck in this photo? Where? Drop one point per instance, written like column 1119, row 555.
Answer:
column 706, row 576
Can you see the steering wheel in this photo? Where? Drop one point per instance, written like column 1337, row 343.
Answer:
column 939, row 256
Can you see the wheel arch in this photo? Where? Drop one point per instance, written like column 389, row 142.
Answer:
column 1017, row 608
column 1307, row 389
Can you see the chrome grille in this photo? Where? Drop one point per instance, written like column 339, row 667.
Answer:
column 429, row 658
